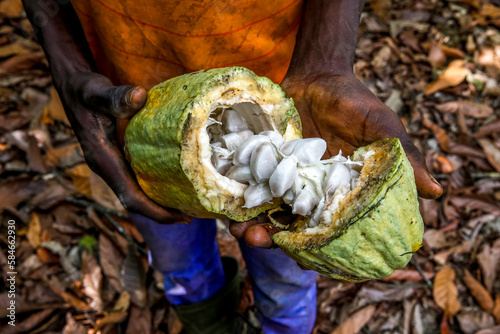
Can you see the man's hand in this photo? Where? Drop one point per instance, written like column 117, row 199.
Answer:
column 341, row 110
column 93, row 104
column 333, row 104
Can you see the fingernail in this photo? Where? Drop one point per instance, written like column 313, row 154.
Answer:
column 434, row 180
column 130, row 95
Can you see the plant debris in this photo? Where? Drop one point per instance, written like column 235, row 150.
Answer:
column 435, row 63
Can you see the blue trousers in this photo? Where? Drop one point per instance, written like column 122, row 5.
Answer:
column 188, row 257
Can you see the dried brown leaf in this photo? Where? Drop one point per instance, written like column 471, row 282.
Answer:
column 492, row 330
column 381, row 58
column 490, row 128
column 445, row 291
column 54, row 193
column 111, row 262
column 417, row 320
column 140, row 320
column 436, row 56
column 474, row 3
column 72, row 327
column 489, row 261
column 21, row 62
column 54, row 111
column 452, row 52
column 490, row 58
column 429, row 209
column 80, row 175
column 119, row 312
column 65, row 156
column 470, row 203
column 34, row 230
column 407, row 275
column 92, row 280
column 76, row 303
column 371, row 295
column 491, row 151
column 102, row 193
column 381, row 7
column 410, row 39
column 27, row 325
column 478, row 291
column 441, row 136
column 47, row 256
column 34, row 156
column 12, row 49
column 442, row 257
column 490, row 10
column 438, row 239
column 473, row 320
column 13, row 121
column 445, row 164
column 110, row 318
column 468, row 108
column 454, row 74
column 123, row 302
column 496, row 309
column 356, row 321
column 11, row 8
column 133, row 276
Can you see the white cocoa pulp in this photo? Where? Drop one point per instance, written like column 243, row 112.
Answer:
column 245, row 148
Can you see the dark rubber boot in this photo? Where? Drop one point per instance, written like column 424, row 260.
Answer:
column 217, row 314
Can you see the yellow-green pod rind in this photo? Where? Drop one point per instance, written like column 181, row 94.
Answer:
column 168, row 148
column 379, row 226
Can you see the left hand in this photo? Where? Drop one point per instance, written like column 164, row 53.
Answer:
column 341, row 110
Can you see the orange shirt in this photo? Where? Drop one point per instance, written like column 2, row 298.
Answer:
column 146, row 42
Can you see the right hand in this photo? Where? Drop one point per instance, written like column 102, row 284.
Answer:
column 92, row 105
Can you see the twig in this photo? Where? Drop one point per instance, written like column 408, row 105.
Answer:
column 96, row 207
column 402, row 286
column 125, row 234
column 118, row 227
column 421, row 272
column 492, row 175
column 107, row 212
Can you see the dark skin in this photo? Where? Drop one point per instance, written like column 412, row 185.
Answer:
column 333, row 104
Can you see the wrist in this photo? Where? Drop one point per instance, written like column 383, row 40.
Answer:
column 326, row 41
column 315, row 68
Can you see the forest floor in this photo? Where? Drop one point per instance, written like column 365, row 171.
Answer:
column 435, row 63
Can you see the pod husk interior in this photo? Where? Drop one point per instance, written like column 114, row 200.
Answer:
column 378, row 225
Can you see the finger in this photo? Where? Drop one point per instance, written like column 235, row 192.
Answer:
column 427, row 186
column 118, row 101
column 124, row 101
column 107, row 161
column 238, row 229
column 260, row 236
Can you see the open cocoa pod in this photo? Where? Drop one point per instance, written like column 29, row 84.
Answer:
column 225, row 143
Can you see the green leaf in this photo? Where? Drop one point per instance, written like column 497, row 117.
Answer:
column 88, row 242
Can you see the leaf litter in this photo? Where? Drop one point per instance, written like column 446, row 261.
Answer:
column 82, row 266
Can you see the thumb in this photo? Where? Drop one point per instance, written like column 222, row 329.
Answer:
column 118, row 101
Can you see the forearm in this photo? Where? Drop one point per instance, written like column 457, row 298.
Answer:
column 327, row 37
column 59, row 32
